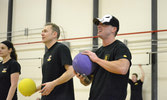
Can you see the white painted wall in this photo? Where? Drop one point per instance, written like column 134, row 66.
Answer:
column 162, row 57
column 75, row 19
column 3, row 18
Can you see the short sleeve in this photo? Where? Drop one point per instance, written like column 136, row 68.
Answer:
column 140, row 81
column 65, row 55
column 14, row 67
column 123, row 52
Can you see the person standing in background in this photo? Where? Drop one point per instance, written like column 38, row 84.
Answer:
column 9, row 71
column 136, row 85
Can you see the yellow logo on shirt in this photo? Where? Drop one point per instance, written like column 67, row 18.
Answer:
column 4, row 70
column 125, row 56
column 49, row 58
column 136, row 83
column 107, row 57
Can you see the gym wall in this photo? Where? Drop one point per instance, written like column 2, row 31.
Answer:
column 75, row 20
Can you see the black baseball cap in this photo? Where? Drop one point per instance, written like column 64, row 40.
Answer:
column 107, row 20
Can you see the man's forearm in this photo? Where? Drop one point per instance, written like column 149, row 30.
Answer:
column 66, row 76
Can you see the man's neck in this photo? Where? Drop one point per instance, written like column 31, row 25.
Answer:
column 50, row 43
column 134, row 81
column 108, row 41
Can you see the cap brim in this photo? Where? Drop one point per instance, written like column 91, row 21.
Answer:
column 96, row 21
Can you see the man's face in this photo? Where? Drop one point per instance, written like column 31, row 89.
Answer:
column 48, row 34
column 134, row 78
column 105, row 30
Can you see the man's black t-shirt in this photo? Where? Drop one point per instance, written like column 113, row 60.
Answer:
column 53, row 67
column 6, row 69
column 136, row 90
column 107, row 85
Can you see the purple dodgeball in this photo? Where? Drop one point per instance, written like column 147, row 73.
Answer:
column 82, row 64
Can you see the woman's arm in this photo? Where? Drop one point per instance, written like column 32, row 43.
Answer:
column 14, row 80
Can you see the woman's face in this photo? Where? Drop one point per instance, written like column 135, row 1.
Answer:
column 4, row 51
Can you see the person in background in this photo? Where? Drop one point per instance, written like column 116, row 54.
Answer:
column 112, row 62
column 57, row 70
column 9, row 71
column 136, row 85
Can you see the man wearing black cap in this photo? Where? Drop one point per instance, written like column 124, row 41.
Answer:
column 112, row 61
